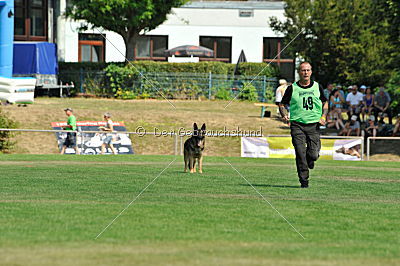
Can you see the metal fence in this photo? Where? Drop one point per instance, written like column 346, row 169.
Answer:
column 177, row 85
column 178, row 142
column 381, row 138
column 178, row 138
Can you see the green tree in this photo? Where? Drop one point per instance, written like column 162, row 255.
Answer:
column 345, row 41
column 125, row 17
column 393, row 87
column 6, row 143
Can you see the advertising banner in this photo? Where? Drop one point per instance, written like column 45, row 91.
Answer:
column 90, row 143
column 281, row 147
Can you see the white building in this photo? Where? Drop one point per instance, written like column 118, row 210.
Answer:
column 227, row 27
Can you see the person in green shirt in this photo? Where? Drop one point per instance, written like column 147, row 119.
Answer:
column 308, row 109
column 70, row 140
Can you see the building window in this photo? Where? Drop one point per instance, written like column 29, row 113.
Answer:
column 91, row 48
column 30, row 22
column 272, row 53
column 222, row 47
column 151, row 47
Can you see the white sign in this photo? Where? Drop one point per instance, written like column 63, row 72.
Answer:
column 281, row 147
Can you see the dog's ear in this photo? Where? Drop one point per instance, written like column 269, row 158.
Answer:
column 203, row 127
column 195, row 127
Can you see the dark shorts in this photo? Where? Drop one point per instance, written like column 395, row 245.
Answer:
column 70, row 140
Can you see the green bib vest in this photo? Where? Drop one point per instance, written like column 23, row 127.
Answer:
column 305, row 105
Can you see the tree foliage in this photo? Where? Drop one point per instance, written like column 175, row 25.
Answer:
column 346, row 41
column 125, row 17
column 6, row 142
column 393, row 87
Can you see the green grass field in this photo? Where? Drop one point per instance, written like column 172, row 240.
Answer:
column 53, row 207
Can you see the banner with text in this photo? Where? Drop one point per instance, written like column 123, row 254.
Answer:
column 281, row 147
column 90, row 143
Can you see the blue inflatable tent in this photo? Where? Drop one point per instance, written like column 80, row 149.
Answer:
column 35, row 58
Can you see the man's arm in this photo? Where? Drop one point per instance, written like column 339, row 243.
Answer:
column 285, row 100
column 111, row 126
column 360, row 100
column 348, row 99
column 67, row 126
column 325, row 105
column 283, row 112
column 322, row 120
column 386, row 106
column 378, row 106
column 387, row 103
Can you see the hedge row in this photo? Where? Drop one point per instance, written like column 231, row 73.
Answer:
column 248, row 69
column 123, row 80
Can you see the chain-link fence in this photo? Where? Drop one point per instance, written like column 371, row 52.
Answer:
column 174, row 85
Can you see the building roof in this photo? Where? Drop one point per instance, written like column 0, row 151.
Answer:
column 266, row 5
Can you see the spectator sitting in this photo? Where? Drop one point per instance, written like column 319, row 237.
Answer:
column 352, row 127
column 340, row 89
column 334, row 119
column 371, row 127
column 368, row 103
column 328, row 90
column 381, row 104
column 396, row 129
column 363, row 89
column 336, row 100
column 354, row 100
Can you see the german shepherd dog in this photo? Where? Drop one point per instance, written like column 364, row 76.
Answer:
column 193, row 149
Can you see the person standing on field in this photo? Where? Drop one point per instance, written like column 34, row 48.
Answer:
column 308, row 110
column 109, row 136
column 70, row 140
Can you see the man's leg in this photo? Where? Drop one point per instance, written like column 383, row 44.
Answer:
column 113, row 149
column 376, row 113
column 63, row 149
column 299, row 142
column 73, row 138
column 67, row 142
column 389, row 113
column 313, row 144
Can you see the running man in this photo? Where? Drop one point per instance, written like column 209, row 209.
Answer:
column 307, row 101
